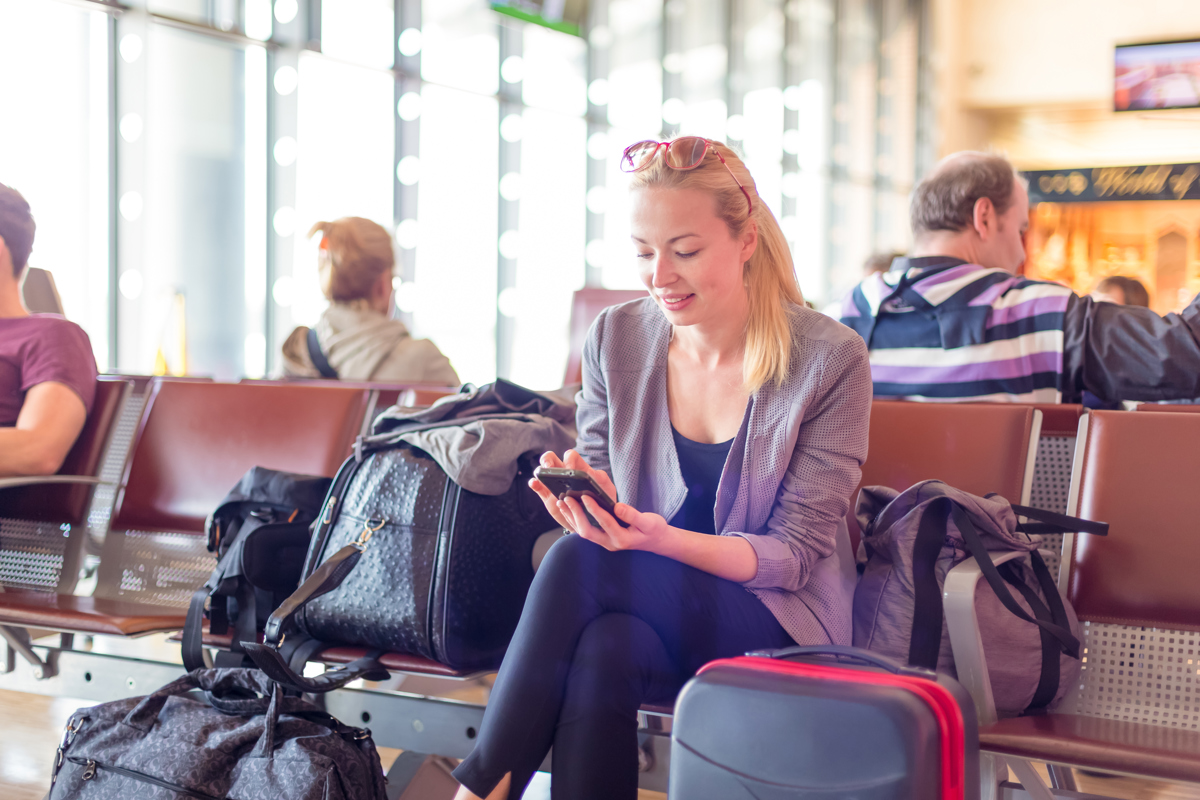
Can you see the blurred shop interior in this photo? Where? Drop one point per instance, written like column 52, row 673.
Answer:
column 177, row 152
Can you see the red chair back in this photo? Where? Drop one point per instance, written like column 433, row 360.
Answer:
column 979, row 448
column 67, row 503
column 1138, row 473
column 586, row 305
column 197, row 439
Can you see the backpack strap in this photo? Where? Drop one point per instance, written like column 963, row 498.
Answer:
column 1052, row 522
column 317, row 356
column 1066, row 640
column 1048, row 680
column 925, row 641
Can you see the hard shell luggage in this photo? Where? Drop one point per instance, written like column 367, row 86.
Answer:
column 825, row 722
column 245, row 739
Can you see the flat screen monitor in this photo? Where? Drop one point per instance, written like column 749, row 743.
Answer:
column 1157, row 75
column 567, row 16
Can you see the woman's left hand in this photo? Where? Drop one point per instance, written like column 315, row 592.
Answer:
column 644, row 531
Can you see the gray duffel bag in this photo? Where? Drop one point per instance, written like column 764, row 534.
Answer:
column 244, row 740
column 912, row 539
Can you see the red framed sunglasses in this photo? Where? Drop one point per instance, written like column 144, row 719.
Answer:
column 686, row 152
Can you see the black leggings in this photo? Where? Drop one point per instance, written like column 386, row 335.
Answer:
column 602, row 633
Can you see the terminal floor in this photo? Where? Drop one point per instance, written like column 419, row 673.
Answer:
column 30, row 727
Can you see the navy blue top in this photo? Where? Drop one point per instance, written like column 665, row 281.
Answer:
column 701, row 464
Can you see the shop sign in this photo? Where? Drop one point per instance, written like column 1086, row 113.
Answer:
column 1151, row 182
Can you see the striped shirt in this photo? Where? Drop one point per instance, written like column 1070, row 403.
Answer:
column 939, row 329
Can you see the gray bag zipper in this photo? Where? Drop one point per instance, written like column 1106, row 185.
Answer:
column 91, row 765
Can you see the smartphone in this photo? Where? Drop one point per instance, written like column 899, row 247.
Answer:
column 577, row 483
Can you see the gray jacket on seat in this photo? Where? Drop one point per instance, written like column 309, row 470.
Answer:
column 791, row 469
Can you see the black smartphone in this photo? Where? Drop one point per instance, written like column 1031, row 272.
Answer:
column 577, row 483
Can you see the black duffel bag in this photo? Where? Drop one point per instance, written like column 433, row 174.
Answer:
column 405, row 560
column 245, row 739
column 260, row 533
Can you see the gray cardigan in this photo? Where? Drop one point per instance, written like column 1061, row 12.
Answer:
column 791, row 469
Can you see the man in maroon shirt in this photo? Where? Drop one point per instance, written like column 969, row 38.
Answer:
column 47, row 370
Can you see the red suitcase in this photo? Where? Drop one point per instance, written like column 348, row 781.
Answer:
column 823, row 722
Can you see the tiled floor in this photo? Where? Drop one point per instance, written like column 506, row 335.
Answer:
column 30, row 727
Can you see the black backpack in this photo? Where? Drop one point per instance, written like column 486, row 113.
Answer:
column 260, row 534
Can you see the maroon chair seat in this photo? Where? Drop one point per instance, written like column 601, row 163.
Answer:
column 92, row 615
column 1110, row 745
column 1134, row 709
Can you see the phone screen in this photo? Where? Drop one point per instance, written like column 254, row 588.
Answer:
column 576, row 483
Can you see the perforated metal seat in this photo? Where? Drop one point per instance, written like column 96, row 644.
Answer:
column 1136, row 708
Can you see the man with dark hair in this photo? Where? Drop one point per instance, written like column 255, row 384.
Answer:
column 1121, row 290
column 47, row 371
column 955, row 322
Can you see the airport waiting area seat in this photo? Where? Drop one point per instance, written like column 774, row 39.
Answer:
column 194, row 442
column 586, row 305
column 1136, row 709
column 978, row 448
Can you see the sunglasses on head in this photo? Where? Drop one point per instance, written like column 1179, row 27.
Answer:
column 686, row 152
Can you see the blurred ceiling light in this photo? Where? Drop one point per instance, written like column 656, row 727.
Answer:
column 286, row 80
column 131, row 127
column 512, row 128
column 130, row 47
column 409, row 107
column 512, row 69
column 409, row 43
column 286, row 11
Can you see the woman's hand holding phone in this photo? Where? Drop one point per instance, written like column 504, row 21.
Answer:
column 640, row 531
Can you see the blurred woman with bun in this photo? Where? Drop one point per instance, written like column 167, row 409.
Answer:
column 356, row 339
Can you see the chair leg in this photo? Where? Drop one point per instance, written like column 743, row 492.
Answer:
column 1061, row 777
column 417, row 776
column 1031, row 782
column 992, row 770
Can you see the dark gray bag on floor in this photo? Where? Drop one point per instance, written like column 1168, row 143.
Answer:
column 245, row 741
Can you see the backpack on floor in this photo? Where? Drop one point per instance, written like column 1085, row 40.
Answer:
column 260, row 534
column 912, row 539
column 245, row 739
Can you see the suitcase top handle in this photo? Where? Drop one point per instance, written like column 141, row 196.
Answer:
column 841, row 652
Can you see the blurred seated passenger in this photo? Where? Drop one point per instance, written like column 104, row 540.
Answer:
column 954, row 322
column 47, row 370
column 356, row 339
column 1121, row 290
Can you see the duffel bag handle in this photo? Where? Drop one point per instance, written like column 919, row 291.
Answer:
column 269, row 660
column 216, row 683
column 324, row 579
column 843, row 651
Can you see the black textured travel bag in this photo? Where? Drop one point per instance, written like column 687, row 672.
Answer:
column 405, row 560
column 244, row 739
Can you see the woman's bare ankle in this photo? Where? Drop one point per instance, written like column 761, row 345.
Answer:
column 499, row 793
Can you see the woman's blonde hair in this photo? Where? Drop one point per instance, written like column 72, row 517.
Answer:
column 355, row 252
column 769, row 276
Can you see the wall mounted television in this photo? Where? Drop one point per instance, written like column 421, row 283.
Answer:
column 1157, row 75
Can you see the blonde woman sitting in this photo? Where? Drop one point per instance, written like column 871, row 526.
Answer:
column 356, row 339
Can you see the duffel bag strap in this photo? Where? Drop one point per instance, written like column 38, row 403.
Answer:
column 925, row 640
column 191, row 644
column 324, row 579
column 1053, row 522
column 1067, row 640
column 271, row 662
column 1050, row 676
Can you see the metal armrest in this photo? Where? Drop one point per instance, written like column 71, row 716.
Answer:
column 959, row 604
column 37, row 480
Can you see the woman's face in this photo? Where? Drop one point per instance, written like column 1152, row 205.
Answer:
column 687, row 257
